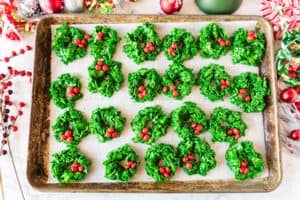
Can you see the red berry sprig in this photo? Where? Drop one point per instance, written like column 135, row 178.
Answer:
column 244, row 167
column 197, row 128
column 76, row 167
column 67, row 136
column 252, row 35
column 111, row 133
column 130, row 165
column 173, row 88
column 81, row 43
column 223, row 43
column 13, row 54
column 150, row 47
column 10, row 111
column 144, row 134
column 172, row 49
column 101, row 66
column 72, row 91
column 165, row 171
column 243, row 94
column 224, row 83
column 187, row 160
column 234, row 132
column 142, row 91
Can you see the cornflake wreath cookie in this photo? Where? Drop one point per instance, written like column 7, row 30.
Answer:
column 142, row 44
column 149, row 125
column 244, row 161
column 69, row 43
column 196, row 156
column 106, row 123
column 115, row 170
column 213, row 41
column 214, row 82
column 249, row 92
column 69, row 166
column 144, row 85
column 188, row 120
column 65, row 91
column 70, row 127
column 177, row 81
column 179, row 45
column 103, row 42
column 105, row 77
column 226, row 125
column 248, row 47
column 162, row 162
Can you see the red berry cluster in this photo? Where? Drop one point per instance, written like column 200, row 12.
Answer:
column 224, row 83
column 100, row 36
column 252, row 35
column 165, row 171
column 101, row 66
column 223, row 43
column 243, row 94
column 15, row 53
column 187, row 160
column 142, row 92
column 111, row 133
column 144, row 134
column 173, row 88
column 81, row 43
column 67, row 136
column 293, row 70
column 150, row 47
column 72, row 91
column 76, row 167
column 130, row 164
column 197, row 128
column 172, row 49
column 7, row 105
column 244, row 167
column 295, row 135
column 234, row 132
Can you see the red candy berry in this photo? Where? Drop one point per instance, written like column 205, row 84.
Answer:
column 189, row 165
column 288, row 95
column 295, row 135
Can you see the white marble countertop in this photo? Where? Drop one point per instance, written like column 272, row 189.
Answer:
column 289, row 187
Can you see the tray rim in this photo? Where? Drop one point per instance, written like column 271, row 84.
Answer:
column 36, row 173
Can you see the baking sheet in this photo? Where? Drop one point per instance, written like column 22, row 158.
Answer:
column 263, row 127
column 97, row 151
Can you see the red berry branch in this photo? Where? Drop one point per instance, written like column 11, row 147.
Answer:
column 10, row 110
column 16, row 53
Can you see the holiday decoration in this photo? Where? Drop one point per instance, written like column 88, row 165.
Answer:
column 30, row 8
column 52, row 6
column 171, row 6
column 282, row 14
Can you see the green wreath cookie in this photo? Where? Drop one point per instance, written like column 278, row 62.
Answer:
column 226, row 125
column 105, row 77
column 103, row 42
column 213, row 41
column 214, row 82
column 179, row 45
column 249, row 92
column 114, row 170
column 144, row 85
column 69, row 166
column 65, row 91
column 196, row 156
column 248, row 47
column 69, row 43
column 244, row 161
column 162, row 162
column 178, row 81
column 149, row 125
column 142, row 44
column 107, row 123
column 188, row 120
column 70, row 127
